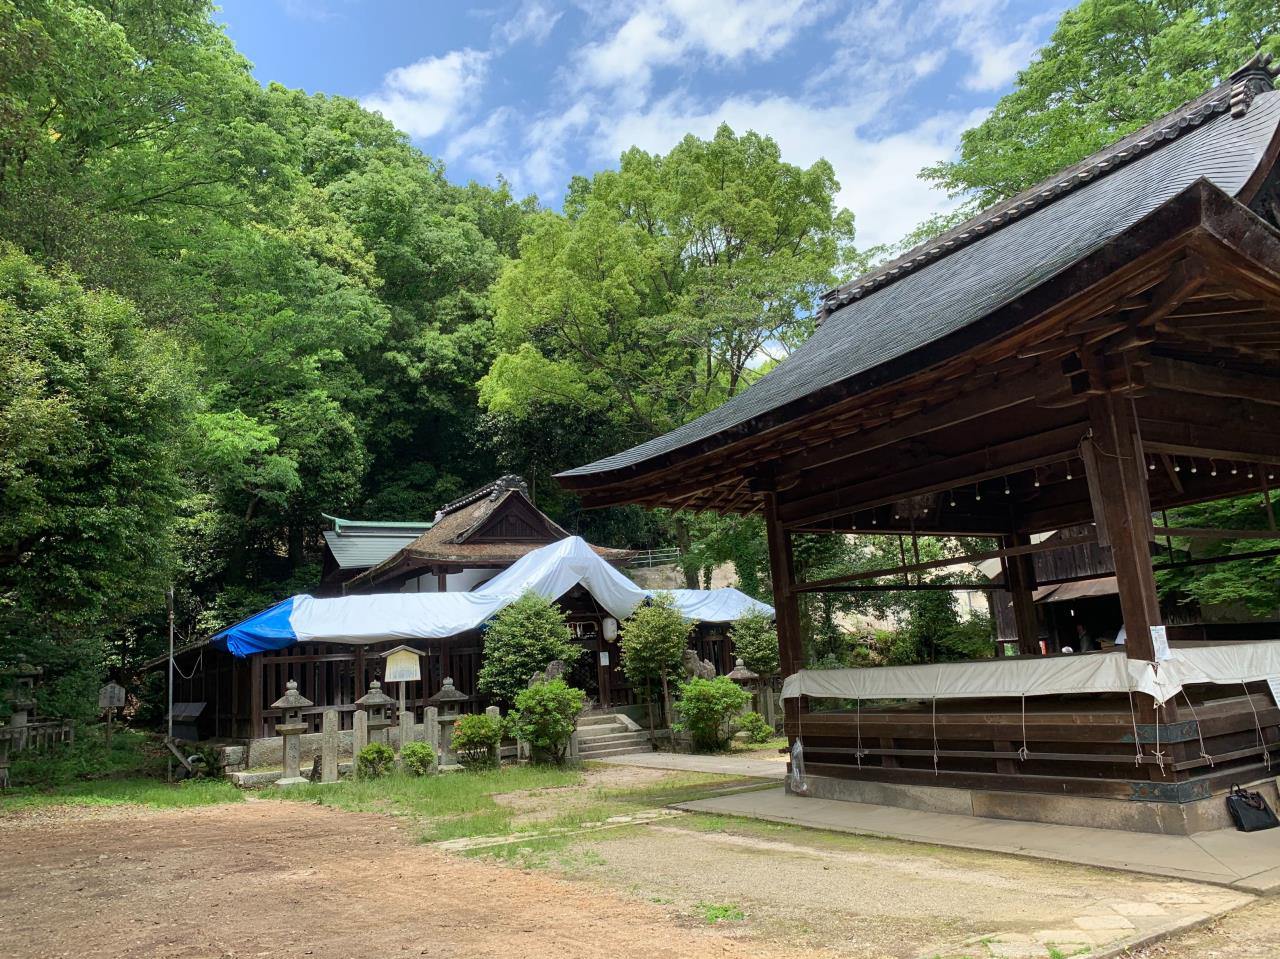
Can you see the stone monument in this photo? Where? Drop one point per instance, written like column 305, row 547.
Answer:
column 330, row 739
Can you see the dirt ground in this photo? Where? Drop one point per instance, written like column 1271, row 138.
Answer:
column 288, row 879
column 1249, row 933
column 867, row 897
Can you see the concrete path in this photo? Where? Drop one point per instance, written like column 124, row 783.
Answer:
column 1247, row 861
column 729, row 764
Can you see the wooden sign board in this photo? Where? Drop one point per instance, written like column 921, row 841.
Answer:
column 111, row 696
column 404, row 665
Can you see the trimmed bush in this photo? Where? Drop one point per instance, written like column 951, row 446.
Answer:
column 418, row 759
column 754, row 725
column 544, row 717
column 475, row 737
column 705, row 708
column 756, row 641
column 375, row 761
column 521, row 640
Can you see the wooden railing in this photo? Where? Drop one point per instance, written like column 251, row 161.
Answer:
column 36, row 736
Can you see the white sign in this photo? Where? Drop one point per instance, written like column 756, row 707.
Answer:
column 604, row 659
column 403, row 666
column 110, row 696
column 1275, row 689
column 1160, row 643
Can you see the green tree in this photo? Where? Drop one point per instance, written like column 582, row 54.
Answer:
column 706, row 707
column 1110, row 67
column 523, row 639
column 95, row 413
column 653, row 641
column 755, row 641
column 545, row 716
column 1253, row 584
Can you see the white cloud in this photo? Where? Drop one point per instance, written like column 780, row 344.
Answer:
column 533, row 21
column 426, row 97
column 661, row 33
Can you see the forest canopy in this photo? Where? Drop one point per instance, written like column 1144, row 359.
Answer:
column 227, row 308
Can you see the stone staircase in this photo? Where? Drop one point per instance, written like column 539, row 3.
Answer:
column 610, row 735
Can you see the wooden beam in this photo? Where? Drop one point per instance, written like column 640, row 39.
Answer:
column 1023, row 549
column 1204, row 380
column 1021, row 575
column 1121, row 478
column 939, row 475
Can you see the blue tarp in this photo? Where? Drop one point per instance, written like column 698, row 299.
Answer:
column 550, row 572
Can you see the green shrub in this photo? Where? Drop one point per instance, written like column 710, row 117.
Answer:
column 705, row 708
column 475, row 738
column 418, row 759
column 375, row 761
column 754, row 725
column 544, row 717
column 520, row 641
column 755, row 641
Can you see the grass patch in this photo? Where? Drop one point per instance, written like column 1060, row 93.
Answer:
column 123, row 792
column 88, row 772
column 771, row 745
column 449, row 806
column 720, row 912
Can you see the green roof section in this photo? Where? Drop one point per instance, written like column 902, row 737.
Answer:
column 359, row 544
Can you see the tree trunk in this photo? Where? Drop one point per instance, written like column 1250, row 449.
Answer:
column 683, row 540
column 666, row 704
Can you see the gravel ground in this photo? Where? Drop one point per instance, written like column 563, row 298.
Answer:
column 857, row 896
column 1249, row 933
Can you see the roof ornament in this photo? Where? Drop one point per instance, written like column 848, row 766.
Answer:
column 1254, row 77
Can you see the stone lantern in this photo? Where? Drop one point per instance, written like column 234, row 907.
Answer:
column 448, row 702
column 377, row 703
column 22, row 698
column 748, row 680
column 290, row 725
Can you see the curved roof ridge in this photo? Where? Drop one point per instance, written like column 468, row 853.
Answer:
column 1143, row 140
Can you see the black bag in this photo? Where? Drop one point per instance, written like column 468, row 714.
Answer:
column 1249, row 811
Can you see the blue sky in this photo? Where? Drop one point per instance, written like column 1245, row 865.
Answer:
column 538, row 91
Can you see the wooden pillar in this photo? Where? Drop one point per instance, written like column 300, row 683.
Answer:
column 255, row 697
column 1021, row 574
column 785, row 603
column 1117, row 487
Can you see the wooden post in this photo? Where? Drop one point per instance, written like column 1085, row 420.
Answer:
column 255, row 697
column 785, row 604
column 1118, row 478
column 1020, row 571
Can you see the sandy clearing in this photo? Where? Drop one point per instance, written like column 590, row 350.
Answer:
column 287, row 879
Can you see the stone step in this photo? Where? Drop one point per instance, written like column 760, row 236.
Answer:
column 613, row 739
column 614, row 751
column 599, row 719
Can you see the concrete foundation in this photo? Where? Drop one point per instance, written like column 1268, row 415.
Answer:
column 1170, row 819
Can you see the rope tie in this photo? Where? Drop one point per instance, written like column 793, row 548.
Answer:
column 1257, row 725
column 1159, row 753
column 1024, row 753
column 858, row 753
column 1199, row 733
column 933, row 703
column 1137, row 741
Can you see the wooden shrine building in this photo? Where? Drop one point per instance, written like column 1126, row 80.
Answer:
column 469, row 542
column 1091, row 352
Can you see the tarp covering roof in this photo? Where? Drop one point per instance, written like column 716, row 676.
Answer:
column 549, row 572
column 1111, row 672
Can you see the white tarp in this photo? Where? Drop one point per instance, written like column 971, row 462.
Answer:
column 550, row 572
column 1110, row 672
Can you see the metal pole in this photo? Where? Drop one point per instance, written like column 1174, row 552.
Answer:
column 169, row 604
